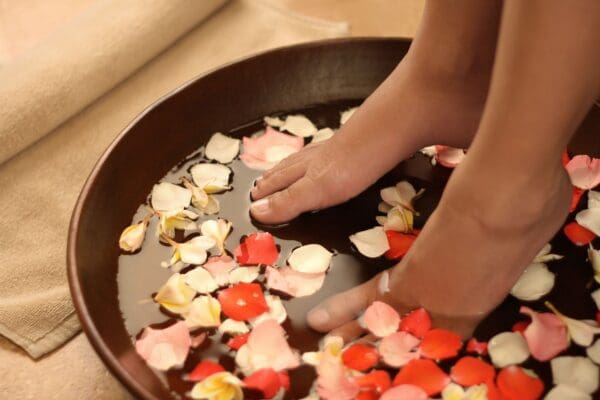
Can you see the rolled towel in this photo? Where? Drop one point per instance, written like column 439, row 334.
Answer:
column 83, row 60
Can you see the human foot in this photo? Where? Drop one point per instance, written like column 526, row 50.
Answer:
column 409, row 111
column 468, row 256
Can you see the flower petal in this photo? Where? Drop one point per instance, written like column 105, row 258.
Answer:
column 322, row 135
column 477, row 347
column 266, row 150
column 360, row 357
column 584, row 171
column 220, row 268
column 514, row 383
column 449, row 157
column 439, row 344
column 581, row 332
column 546, row 336
column 425, row 374
column 175, row 295
column 132, row 237
column 257, row 248
column 594, row 257
column 577, row 372
column 301, row 284
column 200, row 280
column 371, row 243
column 399, row 244
column 265, row 380
column 345, row 115
column 169, row 197
column 204, row 312
column 299, row 125
column 508, row 348
column 204, row 369
column 212, row 178
column 470, row 371
column 275, row 312
column 222, row 148
column 416, row 322
column 398, row 349
column 381, row 319
column 164, row 349
column 564, row 392
column 534, row 283
column 243, row 301
column 233, row 327
column 310, row 258
column 593, row 352
column 194, row 250
column 333, row 381
column 244, row 274
column 589, row 219
column 222, row 385
column 236, row 342
column 404, row 392
column 377, row 381
column 217, row 230
column 579, row 235
column 276, row 281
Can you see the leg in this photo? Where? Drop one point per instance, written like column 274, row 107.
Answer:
column 511, row 194
column 445, row 74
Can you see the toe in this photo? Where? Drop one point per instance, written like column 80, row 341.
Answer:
column 277, row 179
column 339, row 310
column 349, row 331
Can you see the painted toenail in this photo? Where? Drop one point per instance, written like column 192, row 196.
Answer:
column 260, row 206
column 319, row 317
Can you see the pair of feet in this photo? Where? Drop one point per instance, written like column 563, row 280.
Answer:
column 489, row 225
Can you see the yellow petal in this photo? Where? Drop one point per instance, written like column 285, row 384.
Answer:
column 219, row 386
column 175, row 295
column 132, row 237
column 218, row 230
column 204, row 312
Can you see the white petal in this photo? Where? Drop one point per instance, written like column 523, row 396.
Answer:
column 194, row 250
column 175, row 295
column 132, row 237
column 596, row 297
column 244, row 274
column 545, row 256
column 508, row 348
column 322, row 135
column 593, row 352
column 169, row 197
column 204, row 312
column 577, row 372
column 276, row 311
column 201, row 280
column 564, row 392
column 593, row 199
column 372, row 242
column 384, row 207
column 217, row 230
column 274, row 154
column 582, row 332
column 535, row 282
column 222, row 148
column 429, row 151
column 233, row 327
column 310, row 258
column 594, row 257
column 299, row 125
column 212, row 178
column 274, row 121
column 345, row 115
column 589, row 219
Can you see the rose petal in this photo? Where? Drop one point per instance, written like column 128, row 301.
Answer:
column 257, row 248
column 589, row 219
column 424, row 374
column 398, row 349
column 275, row 312
column 577, row 372
column 416, row 322
column 546, row 335
column 399, row 244
column 236, row 342
column 545, row 255
column 579, row 235
column 217, row 230
column 220, row 267
column 204, row 312
column 594, row 257
column 276, row 281
column 244, row 274
column 372, row 242
column 360, row 357
column 347, row 114
column 508, row 348
column 299, row 125
column 164, row 349
column 265, row 380
column 232, row 327
column 456, row 392
column 333, row 381
column 564, row 392
column 403, row 195
column 301, row 284
column 404, row 392
column 593, row 352
column 575, row 198
column 169, row 197
column 243, row 301
column 222, row 148
column 516, row 384
column 584, row 171
column 310, row 258
column 449, row 157
column 273, row 121
column 376, row 381
column 581, row 332
column 200, row 280
column 381, row 319
column 470, row 371
column 267, row 348
column 204, row 369
column 212, row 178
column 222, row 385
column 477, row 347
column 534, row 283
column 439, row 344
column 322, row 135
column 175, row 295
column 256, row 154
column 194, row 250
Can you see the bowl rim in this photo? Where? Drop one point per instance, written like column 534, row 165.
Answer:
column 87, row 324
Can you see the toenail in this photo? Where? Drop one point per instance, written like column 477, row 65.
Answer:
column 260, row 206
column 319, row 317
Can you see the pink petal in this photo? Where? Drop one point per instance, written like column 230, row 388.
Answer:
column 256, row 149
column 268, row 347
column 302, row 284
column 404, row 392
column 584, row 171
column 165, row 348
column 397, row 349
column 219, row 267
column 381, row 319
column 276, row 281
column 333, row 381
column 546, row 335
column 449, row 156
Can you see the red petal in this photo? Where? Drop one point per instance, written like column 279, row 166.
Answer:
column 265, row 380
column 577, row 234
column 243, row 301
column 515, row 384
column 417, row 323
column 378, row 381
column 424, row 374
column 257, row 248
column 238, row 341
column 399, row 244
column 520, row 326
column 284, row 380
column 469, row 371
column 475, row 346
column 369, row 395
column 575, row 197
column 565, row 158
column 360, row 357
column 492, row 391
column 204, row 370
column 439, row 344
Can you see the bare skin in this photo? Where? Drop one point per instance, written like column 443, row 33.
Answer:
column 506, row 199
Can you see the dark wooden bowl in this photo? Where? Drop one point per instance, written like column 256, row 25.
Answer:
column 290, row 78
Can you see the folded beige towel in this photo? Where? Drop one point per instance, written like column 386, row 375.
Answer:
column 41, row 183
